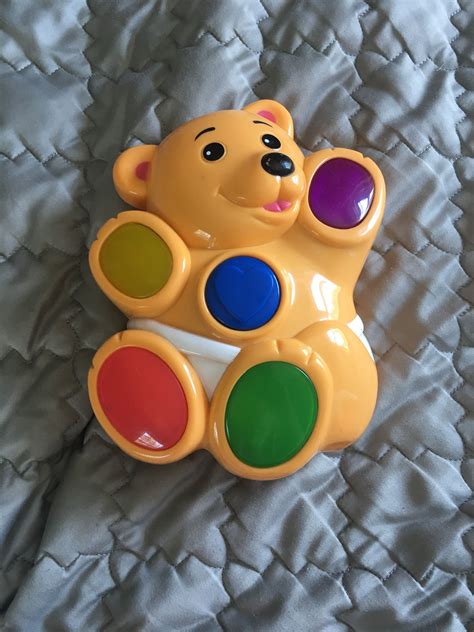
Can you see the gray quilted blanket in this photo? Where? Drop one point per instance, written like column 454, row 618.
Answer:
column 378, row 537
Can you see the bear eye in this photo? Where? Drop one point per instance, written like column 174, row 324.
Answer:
column 213, row 151
column 271, row 141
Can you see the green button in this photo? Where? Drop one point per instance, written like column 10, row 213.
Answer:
column 270, row 414
column 136, row 260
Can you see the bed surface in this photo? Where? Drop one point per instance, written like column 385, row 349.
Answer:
column 378, row 537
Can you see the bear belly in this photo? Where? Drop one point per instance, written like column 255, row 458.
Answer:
column 209, row 357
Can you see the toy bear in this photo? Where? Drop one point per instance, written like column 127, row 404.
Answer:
column 238, row 280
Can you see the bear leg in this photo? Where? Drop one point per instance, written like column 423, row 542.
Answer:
column 147, row 397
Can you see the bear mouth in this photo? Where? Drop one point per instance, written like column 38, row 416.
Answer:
column 278, row 206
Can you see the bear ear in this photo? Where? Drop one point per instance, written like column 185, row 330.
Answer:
column 274, row 112
column 130, row 174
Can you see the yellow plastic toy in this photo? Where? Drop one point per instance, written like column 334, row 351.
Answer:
column 238, row 281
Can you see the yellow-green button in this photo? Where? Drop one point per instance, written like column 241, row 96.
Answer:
column 136, row 260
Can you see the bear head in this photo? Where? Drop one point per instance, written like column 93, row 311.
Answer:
column 223, row 180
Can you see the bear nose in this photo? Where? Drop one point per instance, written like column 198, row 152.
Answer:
column 278, row 164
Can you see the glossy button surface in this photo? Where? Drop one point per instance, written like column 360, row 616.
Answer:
column 242, row 293
column 142, row 398
column 136, row 260
column 340, row 193
column 270, row 414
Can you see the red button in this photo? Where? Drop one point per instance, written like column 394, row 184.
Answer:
column 142, row 398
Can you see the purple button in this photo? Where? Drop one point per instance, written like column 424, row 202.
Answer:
column 340, row 193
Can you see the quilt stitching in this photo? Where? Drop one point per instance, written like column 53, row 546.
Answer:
column 233, row 514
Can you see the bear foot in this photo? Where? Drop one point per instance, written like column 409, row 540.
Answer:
column 147, row 397
column 270, row 410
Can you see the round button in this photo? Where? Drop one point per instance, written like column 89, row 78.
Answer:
column 340, row 193
column 142, row 398
column 243, row 293
column 270, row 414
column 136, row 260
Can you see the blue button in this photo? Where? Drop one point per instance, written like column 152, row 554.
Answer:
column 242, row 293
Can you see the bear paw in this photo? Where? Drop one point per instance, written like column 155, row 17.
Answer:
column 140, row 263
